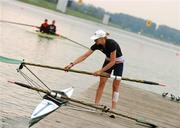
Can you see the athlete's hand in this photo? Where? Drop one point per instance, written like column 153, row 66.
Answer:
column 68, row 67
column 97, row 73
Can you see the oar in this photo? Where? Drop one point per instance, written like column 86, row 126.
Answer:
column 29, row 25
column 15, row 61
column 11, row 22
column 75, row 42
column 85, row 104
column 143, row 81
column 90, row 73
column 72, row 70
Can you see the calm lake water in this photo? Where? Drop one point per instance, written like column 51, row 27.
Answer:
column 145, row 58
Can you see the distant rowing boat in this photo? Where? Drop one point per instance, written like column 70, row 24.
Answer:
column 45, row 36
column 48, row 36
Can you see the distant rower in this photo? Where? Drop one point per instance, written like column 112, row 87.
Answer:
column 52, row 28
column 44, row 27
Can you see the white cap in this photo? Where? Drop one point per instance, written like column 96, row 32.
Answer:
column 98, row 34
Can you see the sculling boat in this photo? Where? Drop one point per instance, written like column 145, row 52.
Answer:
column 52, row 100
column 53, row 36
column 50, row 103
column 48, row 36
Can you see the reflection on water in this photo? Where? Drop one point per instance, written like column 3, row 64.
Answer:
column 144, row 59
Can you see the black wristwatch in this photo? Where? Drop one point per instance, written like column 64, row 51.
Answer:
column 72, row 63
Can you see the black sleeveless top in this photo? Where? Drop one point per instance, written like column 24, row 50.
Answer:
column 109, row 47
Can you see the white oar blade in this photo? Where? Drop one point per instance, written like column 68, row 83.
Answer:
column 42, row 110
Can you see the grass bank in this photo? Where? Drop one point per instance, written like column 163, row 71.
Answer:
column 52, row 6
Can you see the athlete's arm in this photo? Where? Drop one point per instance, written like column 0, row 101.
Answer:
column 109, row 65
column 79, row 59
column 83, row 57
column 111, row 62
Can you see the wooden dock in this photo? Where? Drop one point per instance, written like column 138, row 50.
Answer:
column 134, row 102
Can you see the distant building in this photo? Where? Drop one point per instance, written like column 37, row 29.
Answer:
column 62, row 5
column 106, row 19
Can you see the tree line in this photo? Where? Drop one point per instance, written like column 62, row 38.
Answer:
column 127, row 22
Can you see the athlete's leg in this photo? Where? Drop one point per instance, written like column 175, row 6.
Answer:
column 118, row 70
column 115, row 93
column 101, row 86
column 100, row 89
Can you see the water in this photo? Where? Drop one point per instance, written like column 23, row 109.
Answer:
column 144, row 58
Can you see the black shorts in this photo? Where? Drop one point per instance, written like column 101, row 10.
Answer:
column 117, row 68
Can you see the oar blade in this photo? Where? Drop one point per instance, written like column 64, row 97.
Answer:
column 10, row 60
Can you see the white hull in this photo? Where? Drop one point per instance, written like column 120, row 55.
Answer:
column 49, row 104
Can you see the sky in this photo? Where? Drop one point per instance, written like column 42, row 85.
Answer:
column 162, row 12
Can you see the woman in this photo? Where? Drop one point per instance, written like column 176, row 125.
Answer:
column 113, row 62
